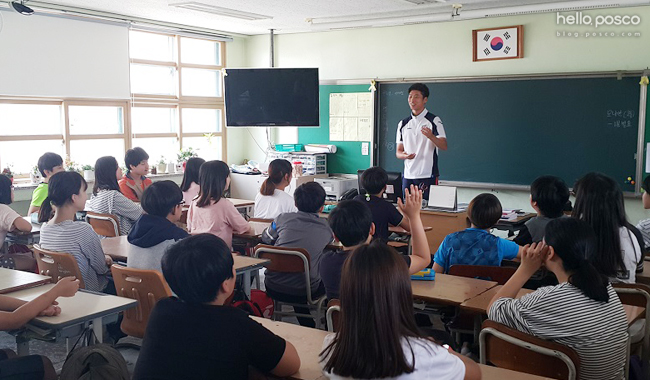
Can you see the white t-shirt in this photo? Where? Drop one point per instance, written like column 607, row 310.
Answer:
column 270, row 206
column 632, row 256
column 431, row 361
column 7, row 218
column 425, row 163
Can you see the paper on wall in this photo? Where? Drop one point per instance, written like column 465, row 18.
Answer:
column 336, row 129
column 364, row 127
column 647, row 158
column 364, row 104
column 350, row 132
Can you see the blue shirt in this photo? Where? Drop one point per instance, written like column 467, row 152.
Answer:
column 474, row 247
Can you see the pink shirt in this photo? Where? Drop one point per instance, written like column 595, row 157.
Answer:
column 220, row 219
column 192, row 192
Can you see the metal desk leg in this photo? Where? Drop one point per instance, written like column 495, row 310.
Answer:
column 22, row 345
column 246, row 280
column 98, row 329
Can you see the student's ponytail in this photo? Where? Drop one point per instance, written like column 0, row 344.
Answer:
column 574, row 242
column 278, row 169
column 45, row 212
column 61, row 187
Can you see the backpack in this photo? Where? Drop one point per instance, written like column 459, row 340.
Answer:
column 260, row 305
column 94, row 362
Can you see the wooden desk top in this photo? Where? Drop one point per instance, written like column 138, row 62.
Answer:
column 118, row 248
column 519, row 220
column 241, row 202
column 255, row 232
column 309, row 343
column 449, row 290
column 83, row 306
column 480, row 303
column 12, row 280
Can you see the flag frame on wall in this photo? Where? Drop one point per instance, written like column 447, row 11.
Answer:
column 498, row 43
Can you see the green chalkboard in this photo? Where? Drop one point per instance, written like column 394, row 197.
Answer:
column 510, row 131
column 348, row 157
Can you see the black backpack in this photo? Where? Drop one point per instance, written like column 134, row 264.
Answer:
column 94, row 362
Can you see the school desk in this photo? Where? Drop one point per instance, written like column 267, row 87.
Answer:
column 244, row 206
column 118, row 248
column 515, row 225
column 25, row 238
column 309, row 343
column 449, row 290
column 76, row 312
column 12, row 280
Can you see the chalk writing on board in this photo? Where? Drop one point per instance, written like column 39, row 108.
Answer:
column 390, row 146
column 620, row 118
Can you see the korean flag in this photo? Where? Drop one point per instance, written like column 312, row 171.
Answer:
column 496, row 43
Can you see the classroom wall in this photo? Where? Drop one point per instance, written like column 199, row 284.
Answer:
column 445, row 50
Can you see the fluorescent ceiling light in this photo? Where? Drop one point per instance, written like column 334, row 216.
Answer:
column 196, row 6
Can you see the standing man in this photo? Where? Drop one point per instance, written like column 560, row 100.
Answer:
column 419, row 137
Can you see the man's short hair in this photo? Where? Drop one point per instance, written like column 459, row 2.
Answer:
column 646, row 184
column 374, row 179
column 351, row 221
column 551, row 195
column 48, row 161
column 424, row 90
column 309, row 197
column 484, row 211
column 134, row 157
column 196, row 266
column 161, row 197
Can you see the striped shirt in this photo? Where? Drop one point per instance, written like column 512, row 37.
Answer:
column 562, row 313
column 80, row 240
column 114, row 202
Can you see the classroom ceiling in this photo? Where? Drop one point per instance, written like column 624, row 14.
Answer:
column 298, row 16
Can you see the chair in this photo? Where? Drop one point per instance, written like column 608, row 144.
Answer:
column 637, row 295
column 511, row 349
column 184, row 215
column 104, row 224
column 145, row 286
column 291, row 260
column 57, row 265
column 333, row 315
column 491, row 273
column 261, row 220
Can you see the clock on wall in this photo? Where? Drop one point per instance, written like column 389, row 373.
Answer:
column 498, row 43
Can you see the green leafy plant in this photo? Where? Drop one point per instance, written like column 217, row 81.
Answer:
column 87, row 167
column 162, row 161
column 35, row 170
column 71, row 166
column 186, row 154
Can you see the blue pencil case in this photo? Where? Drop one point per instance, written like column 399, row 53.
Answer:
column 424, row 275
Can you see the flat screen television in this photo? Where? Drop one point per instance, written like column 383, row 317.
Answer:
column 271, row 97
column 393, row 186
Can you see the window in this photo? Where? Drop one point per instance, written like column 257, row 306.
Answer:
column 177, row 102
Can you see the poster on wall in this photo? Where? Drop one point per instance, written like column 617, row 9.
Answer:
column 498, row 43
column 351, row 116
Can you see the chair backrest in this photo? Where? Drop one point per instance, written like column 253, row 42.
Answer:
column 261, row 220
column 145, row 286
column 333, row 315
column 57, row 265
column 183, row 218
column 492, row 273
column 511, row 349
column 286, row 260
column 637, row 295
column 104, row 224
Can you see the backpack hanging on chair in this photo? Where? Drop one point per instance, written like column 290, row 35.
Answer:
column 94, row 362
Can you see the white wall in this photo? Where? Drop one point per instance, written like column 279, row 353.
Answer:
column 55, row 57
column 445, row 50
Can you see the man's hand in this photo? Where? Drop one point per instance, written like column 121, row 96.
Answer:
column 427, row 132
column 406, row 156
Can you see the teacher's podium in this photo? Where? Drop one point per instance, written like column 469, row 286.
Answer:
column 443, row 224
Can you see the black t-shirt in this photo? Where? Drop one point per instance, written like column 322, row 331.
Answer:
column 384, row 214
column 331, row 266
column 195, row 341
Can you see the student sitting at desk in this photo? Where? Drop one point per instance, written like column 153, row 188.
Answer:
column 132, row 185
column 599, row 202
column 15, row 314
column 156, row 230
column 190, row 184
column 195, row 336
column 11, row 221
column 107, row 198
column 582, row 312
column 211, row 212
column 302, row 229
column 67, row 195
column 48, row 164
column 384, row 213
column 548, row 196
column 378, row 337
column 351, row 222
column 272, row 200
column 476, row 245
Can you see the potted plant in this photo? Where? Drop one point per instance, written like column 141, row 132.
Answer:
column 35, row 175
column 89, row 172
column 184, row 155
column 162, row 165
column 7, row 171
column 71, row 166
